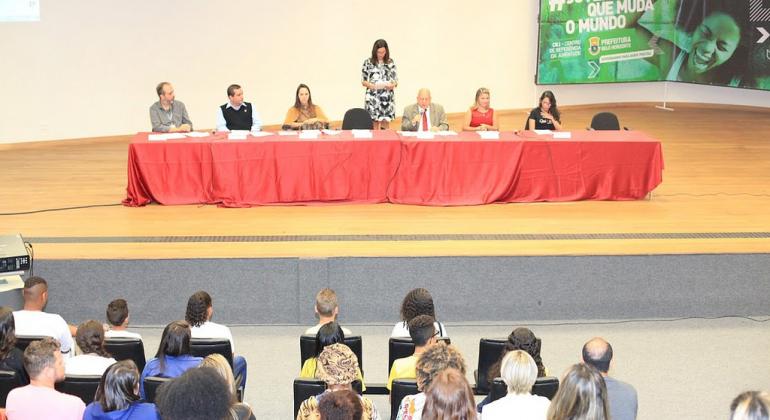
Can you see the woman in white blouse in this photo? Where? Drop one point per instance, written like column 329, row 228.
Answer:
column 93, row 358
column 519, row 372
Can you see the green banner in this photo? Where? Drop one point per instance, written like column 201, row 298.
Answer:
column 718, row 42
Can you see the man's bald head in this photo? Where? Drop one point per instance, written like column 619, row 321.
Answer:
column 35, row 291
column 423, row 97
column 597, row 352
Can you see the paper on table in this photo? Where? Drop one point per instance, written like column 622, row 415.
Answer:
column 309, row 134
column 237, row 136
column 331, row 132
column 156, row 137
column 196, row 134
column 165, row 136
column 446, row 133
column 489, row 135
column 362, row 134
column 408, row 133
column 287, row 133
column 261, row 133
column 425, row 134
column 543, row 132
column 562, row 135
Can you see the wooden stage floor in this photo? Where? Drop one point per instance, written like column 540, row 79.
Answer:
column 715, row 198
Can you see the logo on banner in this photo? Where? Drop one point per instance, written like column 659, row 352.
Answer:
column 593, row 45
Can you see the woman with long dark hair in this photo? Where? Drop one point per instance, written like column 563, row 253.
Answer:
column 93, row 359
column 11, row 358
column 173, row 357
column 546, row 115
column 379, row 77
column 117, row 396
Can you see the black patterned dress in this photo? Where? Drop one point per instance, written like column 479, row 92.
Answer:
column 380, row 102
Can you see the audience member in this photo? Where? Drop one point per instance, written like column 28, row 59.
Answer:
column 416, row 302
column 449, row 397
column 168, row 115
column 236, row 114
column 238, row 410
column 33, row 321
column 11, row 358
column 304, row 114
column 118, row 318
column 330, row 333
column 622, row 398
column 519, row 372
column 198, row 394
column 39, row 400
column 480, row 116
column 338, row 367
column 117, row 397
column 424, row 115
column 751, row 405
column 434, row 360
column 581, row 395
column 198, row 315
column 423, row 333
column 327, row 309
column 94, row 359
column 173, row 357
column 341, row 405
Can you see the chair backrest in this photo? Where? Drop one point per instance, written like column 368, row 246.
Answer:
column 305, row 388
column 127, row 349
column 544, row 387
column 22, row 341
column 151, row 385
column 605, row 121
column 400, row 347
column 202, row 347
column 490, row 350
column 526, row 124
column 81, row 386
column 8, row 381
column 307, row 348
column 357, row 118
column 400, row 389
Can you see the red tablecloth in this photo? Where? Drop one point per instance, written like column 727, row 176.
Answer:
column 452, row 170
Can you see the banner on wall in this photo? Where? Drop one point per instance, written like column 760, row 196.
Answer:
column 717, row 42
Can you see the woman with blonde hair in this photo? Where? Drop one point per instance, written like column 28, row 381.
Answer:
column 480, row 116
column 582, row 395
column 449, row 397
column 519, row 372
column 238, row 410
column 751, row 405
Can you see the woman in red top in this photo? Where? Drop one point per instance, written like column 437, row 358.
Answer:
column 480, row 117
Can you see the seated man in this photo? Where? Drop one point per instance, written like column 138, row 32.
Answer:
column 117, row 317
column 424, row 115
column 423, row 335
column 33, row 321
column 236, row 114
column 623, row 402
column 199, row 313
column 168, row 115
column 327, row 310
column 39, row 399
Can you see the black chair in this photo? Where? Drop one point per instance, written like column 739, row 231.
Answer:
column 8, row 381
column 202, row 347
column 81, row 386
column 544, row 387
column 151, row 385
column 22, row 341
column 127, row 349
column 605, row 121
column 400, row 389
column 357, row 119
column 490, row 350
column 305, row 388
column 307, row 348
column 526, row 124
column 400, row 347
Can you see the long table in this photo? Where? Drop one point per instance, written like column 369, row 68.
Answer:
column 459, row 169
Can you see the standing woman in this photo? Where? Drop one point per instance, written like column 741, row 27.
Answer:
column 378, row 76
column 480, row 117
column 546, row 116
column 305, row 114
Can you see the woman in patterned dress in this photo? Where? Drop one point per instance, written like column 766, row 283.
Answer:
column 378, row 76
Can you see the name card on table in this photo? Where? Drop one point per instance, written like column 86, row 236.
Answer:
column 237, row 136
column 562, row 134
column 489, row 135
column 309, row 134
column 196, row 134
column 543, row 132
column 260, row 134
column 287, row 133
column 425, row 135
column 165, row 136
column 331, row 132
column 362, row 134
column 446, row 133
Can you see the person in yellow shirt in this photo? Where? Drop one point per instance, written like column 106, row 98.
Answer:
column 330, row 333
column 423, row 334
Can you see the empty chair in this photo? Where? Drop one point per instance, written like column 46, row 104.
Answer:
column 544, row 387
column 490, row 350
column 357, row 119
column 127, row 349
column 22, row 341
column 81, row 386
column 8, row 381
column 307, row 348
column 305, row 388
column 202, row 347
column 400, row 389
column 605, row 121
column 400, row 347
column 151, row 385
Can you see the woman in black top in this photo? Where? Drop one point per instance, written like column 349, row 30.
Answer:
column 11, row 358
column 546, row 116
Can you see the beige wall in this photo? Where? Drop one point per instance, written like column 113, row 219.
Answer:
column 89, row 68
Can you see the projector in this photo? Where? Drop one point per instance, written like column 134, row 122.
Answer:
column 13, row 254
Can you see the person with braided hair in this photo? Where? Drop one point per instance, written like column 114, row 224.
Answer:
column 94, row 359
column 417, row 302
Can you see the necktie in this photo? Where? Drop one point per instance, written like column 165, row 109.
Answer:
column 425, row 120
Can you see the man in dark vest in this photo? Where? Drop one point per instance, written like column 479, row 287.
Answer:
column 236, row 114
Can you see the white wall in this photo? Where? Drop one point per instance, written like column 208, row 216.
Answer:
column 89, row 68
